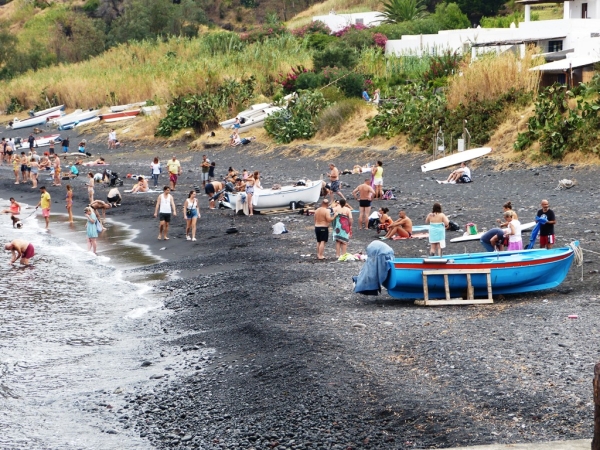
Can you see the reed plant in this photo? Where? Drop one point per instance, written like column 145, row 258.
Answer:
column 490, row 76
column 333, row 118
column 159, row 71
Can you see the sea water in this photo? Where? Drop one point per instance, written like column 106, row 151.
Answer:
column 70, row 327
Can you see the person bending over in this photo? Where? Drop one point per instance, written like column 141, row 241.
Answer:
column 20, row 249
column 114, row 197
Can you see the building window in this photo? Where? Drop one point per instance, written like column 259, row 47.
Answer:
column 555, row 46
column 360, row 21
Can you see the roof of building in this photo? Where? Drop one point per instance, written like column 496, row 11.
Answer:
column 495, row 43
column 568, row 63
column 538, row 2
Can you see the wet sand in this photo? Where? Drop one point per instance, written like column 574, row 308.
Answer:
column 300, row 361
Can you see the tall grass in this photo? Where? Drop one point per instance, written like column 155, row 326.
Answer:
column 339, row 6
column 373, row 61
column 158, row 71
column 335, row 116
column 493, row 75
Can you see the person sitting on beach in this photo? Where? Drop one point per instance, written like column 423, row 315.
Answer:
column 81, row 148
column 401, row 227
column 141, row 186
column 100, row 207
column 246, row 141
column 73, row 172
column 235, row 139
column 365, row 96
column 231, row 175
column 100, row 162
column 114, row 197
column 44, row 163
column 14, row 208
column 374, row 220
column 384, row 220
column 376, row 98
column 240, row 186
column 20, row 249
column 78, row 161
column 460, row 175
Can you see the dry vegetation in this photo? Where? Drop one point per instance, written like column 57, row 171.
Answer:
column 492, row 75
column 339, row 6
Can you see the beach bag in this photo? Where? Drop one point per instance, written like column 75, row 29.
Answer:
column 99, row 226
column 388, row 195
column 453, row 226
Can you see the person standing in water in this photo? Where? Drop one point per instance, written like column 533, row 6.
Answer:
column 20, row 249
column 166, row 205
column 91, row 229
column 69, row 200
column 45, row 202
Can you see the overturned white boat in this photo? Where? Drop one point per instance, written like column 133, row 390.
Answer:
column 71, row 120
column 121, row 108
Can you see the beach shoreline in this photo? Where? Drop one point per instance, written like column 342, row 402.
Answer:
column 301, row 362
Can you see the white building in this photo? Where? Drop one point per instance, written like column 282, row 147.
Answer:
column 574, row 40
column 337, row 22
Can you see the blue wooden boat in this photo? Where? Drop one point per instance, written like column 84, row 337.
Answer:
column 512, row 272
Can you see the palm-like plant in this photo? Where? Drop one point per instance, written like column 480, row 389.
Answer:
column 396, row 11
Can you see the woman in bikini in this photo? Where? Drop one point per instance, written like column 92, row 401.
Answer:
column 34, row 167
column 14, row 208
column 250, row 183
column 191, row 214
column 69, row 200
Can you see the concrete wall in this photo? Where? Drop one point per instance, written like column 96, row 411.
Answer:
column 337, row 22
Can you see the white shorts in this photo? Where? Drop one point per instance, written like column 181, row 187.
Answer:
column 204, row 176
column 378, row 182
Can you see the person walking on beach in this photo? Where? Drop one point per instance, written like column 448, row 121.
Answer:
column 323, row 218
column 56, row 166
column 166, row 205
column 45, row 202
column 65, row 145
column 156, row 170
column 438, row 222
column 364, row 194
column 174, row 168
column 342, row 228
column 90, row 186
column 334, row 178
column 20, row 249
column 205, row 167
column 91, row 229
column 377, row 172
column 191, row 215
column 69, row 203
column 548, row 219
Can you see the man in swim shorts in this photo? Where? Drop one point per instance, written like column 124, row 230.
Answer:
column 364, row 193
column 547, row 238
column 211, row 189
column 166, row 205
column 323, row 218
column 334, row 178
column 44, row 202
column 401, row 227
column 20, row 249
column 174, row 168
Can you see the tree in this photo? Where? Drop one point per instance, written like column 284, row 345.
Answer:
column 476, row 9
column 450, row 17
column 77, row 37
column 396, row 11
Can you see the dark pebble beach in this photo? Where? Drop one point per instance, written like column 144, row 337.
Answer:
column 270, row 348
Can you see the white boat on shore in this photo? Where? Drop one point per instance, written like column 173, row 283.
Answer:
column 46, row 111
column 70, row 121
column 121, row 108
column 66, row 118
column 256, row 119
column 17, row 124
column 281, row 198
column 42, row 141
column 254, row 109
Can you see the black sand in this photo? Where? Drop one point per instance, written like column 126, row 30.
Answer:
column 302, row 362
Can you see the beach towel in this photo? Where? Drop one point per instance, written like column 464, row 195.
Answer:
column 341, row 228
column 534, row 234
column 375, row 270
column 437, row 233
column 414, row 236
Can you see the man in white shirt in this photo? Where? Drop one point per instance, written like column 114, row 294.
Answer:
column 165, row 206
column 460, row 175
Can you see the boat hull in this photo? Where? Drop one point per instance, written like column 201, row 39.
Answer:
column 281, row 198
column 115, row 117
column 44, row 112
column 511, row 273
column 456, row 158
column 35, row 121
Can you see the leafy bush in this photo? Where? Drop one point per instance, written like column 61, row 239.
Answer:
column 358, row 39
column 319, row 41
column 506, row 21
column 350, row 83
column 263, row 32
column 222, row 43
column 298, row 121
column 332, row 94
column 380, row 39
column 395, row 31
column 349, row 28
column 309, row 80
column 336, row 55
column 333, row 118
column 449, row 17
column 289, row 82
column 14, row 106
column 314, row 27
column 91, row 5
column 201, row 111
column 442, row 66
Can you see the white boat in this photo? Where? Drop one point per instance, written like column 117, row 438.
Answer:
column 89, row 121
column 66, row 118
column 34, row 121
column 151, row 110
column 39, row 142
column 43, row 112
column 281, row 198
column 456, row 158
column 74, row 120
column 246, row 113
column 475, row 237
column 121, row 108
column 256, row 119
